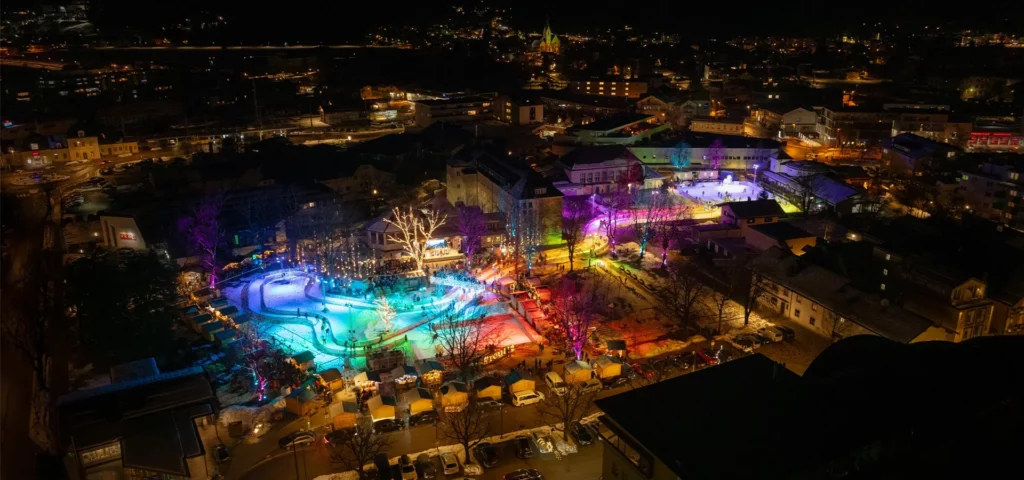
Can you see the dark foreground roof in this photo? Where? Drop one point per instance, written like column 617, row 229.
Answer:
column 152, row 417
column 867, row 407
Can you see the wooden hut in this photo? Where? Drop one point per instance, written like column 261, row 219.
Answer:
column 419, row 400
column 367, row 379
column 578, row 372
column 430, row 371
column 198, row 321
column 519, row 382
column 218, row 303
column 304, row 360
column 224, row 337
column 381, row 407
column 607, row 367
column 210, row 329
column 404, row 376
column 332, row 378
column 344, row 415
column 454, row 396
column 488, row 388
column 227, row 312
column 301, row 401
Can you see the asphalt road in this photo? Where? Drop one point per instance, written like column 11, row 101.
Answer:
column 310, row 462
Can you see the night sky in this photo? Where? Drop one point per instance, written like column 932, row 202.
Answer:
column 348, row 21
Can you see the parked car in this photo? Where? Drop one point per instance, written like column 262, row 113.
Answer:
column 705, row 358
column 616, row 382
column 488, row 404
column 407, row 468
column 774, row 334
column 787, row 333
column 526, row 397
column 523, row 474
column 449, row 463
column 425, row 418
column 555, row 383
column 486, row 454
column 544, row 443
column 425, row 467
column 522, row 446
column 338, row 436
column 387, row 425
column 746, row 342
column 383, row 466
column 590, row 386
column 222, row 453
column 297, row 439
column 579, row 433
column 641, row 370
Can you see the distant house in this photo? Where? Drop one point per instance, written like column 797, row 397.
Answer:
column 909, row 154
column 755, row 212
column 333, row 379
column 829, row 303
column 780, row 234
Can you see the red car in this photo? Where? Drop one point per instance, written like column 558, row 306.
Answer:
column 642, row 370
column 708, row 359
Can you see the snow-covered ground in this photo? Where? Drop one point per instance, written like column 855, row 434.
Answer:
column 284, row 295
column 718, row 192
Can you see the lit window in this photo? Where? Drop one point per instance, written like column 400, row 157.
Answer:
column 885, row 271
column 600, row 83
column 887, row 256
column 883, row 287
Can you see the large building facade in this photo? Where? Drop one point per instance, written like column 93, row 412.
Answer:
column 531, row 203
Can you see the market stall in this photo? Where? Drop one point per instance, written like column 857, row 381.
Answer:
column 519, row 382
column 454, row 396
column 487, row 388
column 381, row 407
column 419, row 400
column 344, row 414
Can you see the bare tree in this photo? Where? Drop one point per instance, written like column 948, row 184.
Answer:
column 203, row 233
column 568, row 408
column 647, row 209
column 385, row 313
column 612, row 203
column 720, row 302
column 681, row 294
column 466, row 427
column 414, row 229
column 834, row 325
column 756, row 291
column 576, row 214
column 523, row 232
column 472, row 226
column 465, row 337
column 355, row 451
column 576, row 306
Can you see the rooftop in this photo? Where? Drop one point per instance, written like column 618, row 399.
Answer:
column 613, row 122
column 782, row 231
column 755, row 208
column 595, row 154
column 794, row 431
column 836, row 293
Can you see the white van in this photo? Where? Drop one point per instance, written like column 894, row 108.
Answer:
column 555, row 383
column 526, row 397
